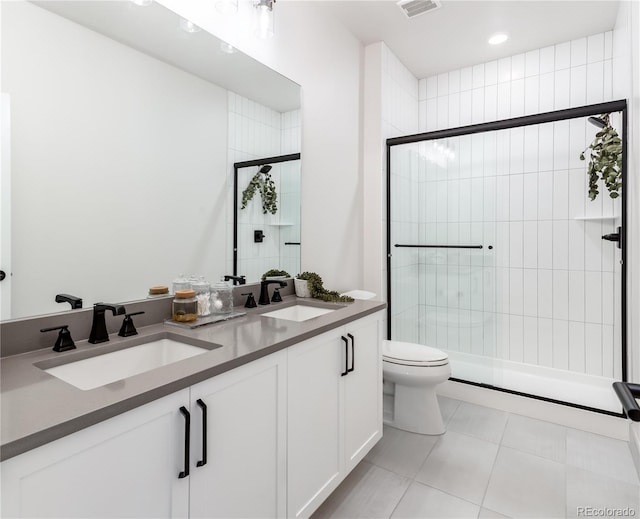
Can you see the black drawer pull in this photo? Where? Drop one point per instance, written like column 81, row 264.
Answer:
column 346, row 356
column 353, row 353
column 187, row 441
column 203, row 406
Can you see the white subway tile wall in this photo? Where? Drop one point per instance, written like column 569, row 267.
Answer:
column 547, row 292
column 256, row 131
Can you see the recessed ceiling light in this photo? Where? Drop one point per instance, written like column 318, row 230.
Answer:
column 499, row 38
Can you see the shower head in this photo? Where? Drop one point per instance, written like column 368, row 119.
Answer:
column 598, row 121
column 265, row 169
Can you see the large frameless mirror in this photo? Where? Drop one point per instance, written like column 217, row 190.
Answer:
column 120, row 130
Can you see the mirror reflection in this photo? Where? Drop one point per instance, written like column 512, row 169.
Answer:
column 267, row 216
column 122, row 130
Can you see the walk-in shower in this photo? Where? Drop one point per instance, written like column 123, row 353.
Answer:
column 495, row 255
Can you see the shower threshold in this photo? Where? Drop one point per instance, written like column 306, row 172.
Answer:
column 563, row 386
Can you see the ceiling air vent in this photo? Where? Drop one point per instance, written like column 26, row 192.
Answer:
column 413, row 8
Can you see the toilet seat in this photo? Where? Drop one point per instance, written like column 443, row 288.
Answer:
column 410, row 354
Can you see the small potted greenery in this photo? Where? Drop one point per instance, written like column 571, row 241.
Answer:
column 605, row 158
column 275, row 273
column 309, row 284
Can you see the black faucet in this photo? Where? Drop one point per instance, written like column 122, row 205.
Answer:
column 75, row 302
column 239, row 279
column 264, row 290
column 99, row 331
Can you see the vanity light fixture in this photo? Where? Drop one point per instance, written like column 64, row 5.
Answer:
column 498, row 38
column 264, row 18
column 142, row 3
column 227, row 7
column 188, row 26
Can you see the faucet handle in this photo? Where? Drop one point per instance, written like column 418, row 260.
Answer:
column 276, row 298
column 128, row 329
column 251, row 301
column 64, row 342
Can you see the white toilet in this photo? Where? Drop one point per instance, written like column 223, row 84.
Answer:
column 415, row 371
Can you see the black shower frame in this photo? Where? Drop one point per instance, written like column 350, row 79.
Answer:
column 248, row 164
column 516, row 122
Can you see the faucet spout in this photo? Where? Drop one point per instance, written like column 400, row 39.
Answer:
column 239, row 280
column 264, row 290
column 99, row 331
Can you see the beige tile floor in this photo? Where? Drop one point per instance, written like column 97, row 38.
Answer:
column 489, row 464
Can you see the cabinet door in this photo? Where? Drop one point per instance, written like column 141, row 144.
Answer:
column 315, row 453
column 363, row 390
column 127, row 466
column 245, row 470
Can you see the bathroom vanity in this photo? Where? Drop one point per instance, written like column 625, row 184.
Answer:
column 265, row 422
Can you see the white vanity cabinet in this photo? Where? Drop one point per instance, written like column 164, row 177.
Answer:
column 269, row 439
column 245, row 470
column 334, row 410
column 130, row 465
column 126, row 466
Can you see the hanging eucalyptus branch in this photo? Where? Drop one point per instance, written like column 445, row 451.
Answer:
column 262, row 183
column 605, row 160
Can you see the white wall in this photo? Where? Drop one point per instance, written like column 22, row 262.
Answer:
column 390, row 110
column 321, row 56
column 116, row 226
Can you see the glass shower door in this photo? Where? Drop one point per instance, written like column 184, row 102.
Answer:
column 442, row 230
column 499, row 258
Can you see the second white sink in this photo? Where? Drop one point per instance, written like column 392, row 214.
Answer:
column 109, row 367
column 298, row 313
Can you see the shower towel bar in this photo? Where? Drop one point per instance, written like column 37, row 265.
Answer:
column 441, row 246
column 627, row 393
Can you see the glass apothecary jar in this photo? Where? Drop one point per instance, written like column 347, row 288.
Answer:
column 180, row 283
column 203, row 295
column 222, row 297
column 185, row 306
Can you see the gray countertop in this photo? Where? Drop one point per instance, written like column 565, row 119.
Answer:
column 37, row 408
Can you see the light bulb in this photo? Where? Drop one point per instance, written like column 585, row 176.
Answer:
column 188, row 26
column 497, row 39
column 264, row 19
column 227, row 7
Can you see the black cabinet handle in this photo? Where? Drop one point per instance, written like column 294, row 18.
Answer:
column 353, row 353
column 203, row 406
column 346, row 357
column 187, row 441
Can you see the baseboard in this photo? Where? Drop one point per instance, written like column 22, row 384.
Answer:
column 590, row 421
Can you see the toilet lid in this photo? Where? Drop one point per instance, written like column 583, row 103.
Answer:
column 412, row 354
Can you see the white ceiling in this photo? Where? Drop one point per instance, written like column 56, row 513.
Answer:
column 456, row 34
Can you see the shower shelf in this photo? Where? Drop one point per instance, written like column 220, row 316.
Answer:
column 596, row 218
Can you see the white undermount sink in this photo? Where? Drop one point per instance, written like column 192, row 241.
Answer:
column 100, row 370
column 298, row 313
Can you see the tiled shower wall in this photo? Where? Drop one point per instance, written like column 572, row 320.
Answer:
column 545, row 294
column 256, row 131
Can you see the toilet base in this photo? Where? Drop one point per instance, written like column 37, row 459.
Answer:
column 419, row 412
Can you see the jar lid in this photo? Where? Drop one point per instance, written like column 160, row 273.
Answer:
column 160, row 289
column 184, row 294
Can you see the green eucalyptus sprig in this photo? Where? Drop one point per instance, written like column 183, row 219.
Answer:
column 605, row 160
column 317, row 290
column 262, row 183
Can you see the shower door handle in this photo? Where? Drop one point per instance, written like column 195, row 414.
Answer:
column 617, row 237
